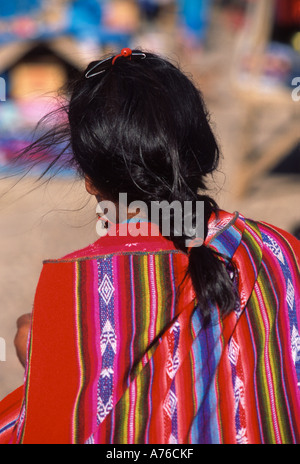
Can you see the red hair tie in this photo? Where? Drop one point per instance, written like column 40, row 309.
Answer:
column 125, row 52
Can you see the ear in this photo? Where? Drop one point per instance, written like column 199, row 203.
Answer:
column 90, row 186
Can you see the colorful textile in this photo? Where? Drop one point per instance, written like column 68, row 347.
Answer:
column 118, row 352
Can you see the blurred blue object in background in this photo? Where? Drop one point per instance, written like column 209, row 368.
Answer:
column 195, row 16
column 84, row 18
column 18, row 7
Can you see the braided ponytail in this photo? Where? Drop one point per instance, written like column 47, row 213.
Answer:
column 209, row 272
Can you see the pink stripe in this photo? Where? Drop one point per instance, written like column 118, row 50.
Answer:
column 117, row 313
column 153, row 300
column 149, row 400
column 80, row 370
column 133, row 320
column 172, row 279
column 216, row 383
column 97, row 329
column 132, row 407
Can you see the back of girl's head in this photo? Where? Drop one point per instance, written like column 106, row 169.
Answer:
column 141, row 127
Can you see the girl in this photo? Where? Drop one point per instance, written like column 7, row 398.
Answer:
column 181, row 334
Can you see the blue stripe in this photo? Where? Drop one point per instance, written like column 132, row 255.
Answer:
column 207, row 352
column 227, row 242
column 8, row 426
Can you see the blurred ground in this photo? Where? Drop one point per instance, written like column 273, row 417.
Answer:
column 59, row 217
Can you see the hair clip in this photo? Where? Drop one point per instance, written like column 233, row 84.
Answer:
column 125, row 53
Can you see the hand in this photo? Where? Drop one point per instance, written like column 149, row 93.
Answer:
column 21, row 338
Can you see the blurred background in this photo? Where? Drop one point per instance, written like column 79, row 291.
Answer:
column 243, row 54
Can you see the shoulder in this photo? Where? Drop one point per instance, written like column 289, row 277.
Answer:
column 279, row 241
column 128, row 243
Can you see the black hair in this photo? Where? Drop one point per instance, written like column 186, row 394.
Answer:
column 142, row 128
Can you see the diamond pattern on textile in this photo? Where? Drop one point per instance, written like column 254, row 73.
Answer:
column 104, row 408
column 290, row 294
column 170, row 404
column 233, row 353
column 108, row 339
column 90, row 440
column 107, row 372
column 295, row 345
column 275, row 248
column 241, row 437
column 108, row 336
column 239, row 393
column 290, row 299
column 173, row 440
column 175, row 328
column 172, row 365
column 106, row 289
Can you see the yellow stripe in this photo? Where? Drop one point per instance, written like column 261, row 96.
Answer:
column 261, row 365
column 79, row 345
column 146, row 292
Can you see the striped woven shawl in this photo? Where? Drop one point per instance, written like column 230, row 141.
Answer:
column 118, row 352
